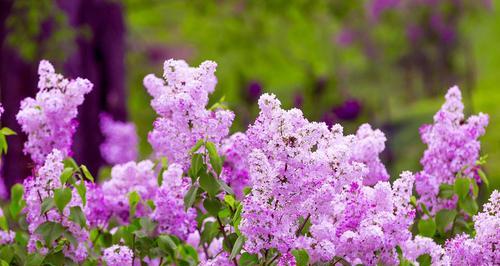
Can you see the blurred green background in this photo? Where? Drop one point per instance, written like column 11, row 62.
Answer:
column 385, row 62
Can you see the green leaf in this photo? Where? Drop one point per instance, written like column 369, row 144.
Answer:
column 483, row 176
column 159, row 178
column 301, row 257
column 197, row 146
column 424, row 260
column 166, row 243
column 16, row 192
column 133, row 200
column 62, row 196
column 190, row 196
column 7, row 131
column 212, row 205
column 469, row 205
column 34, row 259
column 475, row 188
column 81, row 188
column 443, row 218
column 50, row 231
column 209, row 184
column 87, row 173
column 3, row 144
column 237, row 247
column 47, row 205
column 427, row 227
column 446, row 191
column 76, row 215
column 225, row 187
column 247, row 259
column 229, row 199
column 229, row 241
column 7, row 253
column 69, row 236
column 70, row 163
column 4, row 224
column 461, row 187
column 196, row 166
column 424, row 209
column 66, row 174
column 413, row 201
column 215, row 159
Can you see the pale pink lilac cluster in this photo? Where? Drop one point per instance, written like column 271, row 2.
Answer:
column 452, row 147
column 120, row 140
column 118, row 255
column 127, row 178
column 367, row 146
column 42, row 186
column 482, row 249
column 414, row 248
column 180, row 99
column 169, row 201
column 49, row 119
column 235, row 150
column 301, row 170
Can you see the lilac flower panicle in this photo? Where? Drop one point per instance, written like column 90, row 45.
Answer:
column 180, row 100
column 41, row 186
column 120, row 140
column 96, row 210
column 303, row 170
column 125, row 179
column 367, row 146
column 118, row 255
column 452, row 146
column 49, row 119
column 413, row 248
column 169, row 202
column 482, row 249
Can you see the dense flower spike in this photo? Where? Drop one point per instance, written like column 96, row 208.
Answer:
column 452, row 147
column 117, row 255
column 42, row 186
column 125, row 179
column 120, row 140
column 49, row 119
column 482, row 249
column 169, row 212
column 97, row 211
column 181, row 101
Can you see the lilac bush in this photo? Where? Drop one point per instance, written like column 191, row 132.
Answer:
column 287, row 191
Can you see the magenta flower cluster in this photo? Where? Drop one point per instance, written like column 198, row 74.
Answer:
column 120, row 140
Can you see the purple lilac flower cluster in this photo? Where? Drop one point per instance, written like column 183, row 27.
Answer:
column 301, row 171
column 169, row 212
column 117, row 255
column 127, row 178
column 180, row 99
column 49, row 119
column 120, row 140
column 483, row 247
column 452, row 148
